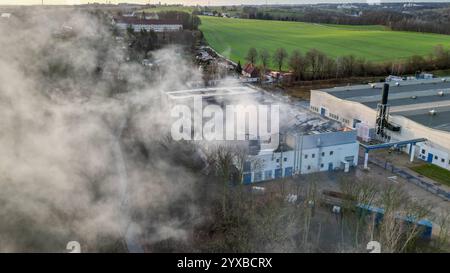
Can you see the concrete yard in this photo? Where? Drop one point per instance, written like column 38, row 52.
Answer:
column 330, row 181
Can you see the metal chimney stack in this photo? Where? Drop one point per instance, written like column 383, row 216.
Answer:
column 385, row 94
column 383, row 112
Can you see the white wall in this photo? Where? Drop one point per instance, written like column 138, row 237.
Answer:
column 156, row 28
column 439, row 157
column 320, row 163
column 438, row 141
column 346, row 111
column 268, row 161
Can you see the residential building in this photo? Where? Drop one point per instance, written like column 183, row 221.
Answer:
column 250, row 71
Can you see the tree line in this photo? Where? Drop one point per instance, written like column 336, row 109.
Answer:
column 316, row 65
column 431, row 21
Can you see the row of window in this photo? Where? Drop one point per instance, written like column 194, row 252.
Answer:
column 278, row 160
column 435, row 157
column 321, row 166
column 336, row 117
column 314, row 155
column 274, row 174
column 333, row 116
column 269, row 174
column 314, row 108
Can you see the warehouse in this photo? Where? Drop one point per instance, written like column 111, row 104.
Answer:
column 302, row 152
column 306, row 142
column 156, row 25
column 415, row 109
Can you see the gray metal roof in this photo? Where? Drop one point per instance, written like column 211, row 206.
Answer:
column 409, row 100
column 440, row 121
column 414, row 94
column 310, row 141
column 358, row 91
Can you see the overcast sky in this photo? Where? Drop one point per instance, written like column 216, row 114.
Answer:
column 200, row 2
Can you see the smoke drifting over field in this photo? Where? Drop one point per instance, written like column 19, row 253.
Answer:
column 66, row 119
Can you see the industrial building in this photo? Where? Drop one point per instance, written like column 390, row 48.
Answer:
column 306, row 143
column 303, row 153
column 413, row 110
column 138, row 24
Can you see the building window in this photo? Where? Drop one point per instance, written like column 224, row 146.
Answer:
column 285, row 159
column 258, row 176
column 309, row 167
column 323, row 153
column 442, row 160
column 349, row 158
column 278, row 160
column 314, row 108
column 247, row 166
column 268, row 174
column 313, row 155
column 321, row 165
column 435, row 157
column 333, row 116
column 331, row 152
column 306, row 156
column 423, row 151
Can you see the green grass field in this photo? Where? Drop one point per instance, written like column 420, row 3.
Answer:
column 434, row 172
column 233, row 38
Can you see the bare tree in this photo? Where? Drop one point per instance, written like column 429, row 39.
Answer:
column 316, row 60
column 264, row 56
column 442, row 57
column 252, row 55
column 228, row 164
column 348, row 65
column 396, row 225
column 297, row 64
column 280, row 57
column 442, row 224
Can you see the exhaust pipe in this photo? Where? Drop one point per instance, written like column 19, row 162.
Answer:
column 385, row 94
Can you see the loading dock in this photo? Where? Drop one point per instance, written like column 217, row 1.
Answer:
column 397, row 144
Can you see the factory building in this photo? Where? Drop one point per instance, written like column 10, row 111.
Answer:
column 306, row 142
column 412, row 109
column 301, row 152
column 138, row 24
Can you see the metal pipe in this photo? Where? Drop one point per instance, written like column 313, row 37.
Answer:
column 385, row 93
column 366, row 159
column 412, row 150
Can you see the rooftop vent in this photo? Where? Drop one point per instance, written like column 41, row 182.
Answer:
column 432, row 112
column 319, row 142
column 413, row 97
column 373, row 85
column 397, row 84
column 441, row 93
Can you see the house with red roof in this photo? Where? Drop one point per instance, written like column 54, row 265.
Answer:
column 250, row 71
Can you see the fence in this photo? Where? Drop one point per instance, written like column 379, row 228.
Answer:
column 410, row 177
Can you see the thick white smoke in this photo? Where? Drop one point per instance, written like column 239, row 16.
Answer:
column 62, row 119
